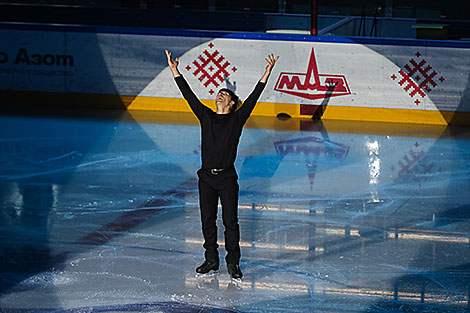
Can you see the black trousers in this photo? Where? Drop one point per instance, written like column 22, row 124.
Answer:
column 212, row 187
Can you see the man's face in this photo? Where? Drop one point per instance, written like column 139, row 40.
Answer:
column 224, row 99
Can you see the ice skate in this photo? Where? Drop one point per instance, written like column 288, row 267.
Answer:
column 207, row 269
column 235, row 272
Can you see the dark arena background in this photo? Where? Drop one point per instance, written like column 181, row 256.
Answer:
column 354, row 167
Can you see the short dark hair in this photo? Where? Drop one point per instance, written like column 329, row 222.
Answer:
column 233, row 97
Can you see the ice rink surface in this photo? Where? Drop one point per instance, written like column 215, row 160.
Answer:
column 101, row 215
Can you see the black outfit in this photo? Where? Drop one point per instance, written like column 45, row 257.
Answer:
column 220, row 134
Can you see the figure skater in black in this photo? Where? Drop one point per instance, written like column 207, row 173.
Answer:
column 220, row 134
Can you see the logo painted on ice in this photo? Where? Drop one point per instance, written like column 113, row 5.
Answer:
column 312, row 148
column 312, row 85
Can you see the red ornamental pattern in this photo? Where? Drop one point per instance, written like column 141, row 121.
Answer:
column 211, row 68
column 417, row 77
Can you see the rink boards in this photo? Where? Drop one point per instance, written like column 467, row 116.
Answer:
column 412, row 81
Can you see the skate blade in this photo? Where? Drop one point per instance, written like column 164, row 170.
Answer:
column 236, row 280
column 207, row 275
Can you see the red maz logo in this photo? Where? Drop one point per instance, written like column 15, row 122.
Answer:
column 312, row 85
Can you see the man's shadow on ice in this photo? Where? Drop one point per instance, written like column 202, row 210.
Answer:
column 264, row 165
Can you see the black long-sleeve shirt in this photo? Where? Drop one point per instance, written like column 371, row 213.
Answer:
column 220, row 133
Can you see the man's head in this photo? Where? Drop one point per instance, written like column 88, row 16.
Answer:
column 226, row 99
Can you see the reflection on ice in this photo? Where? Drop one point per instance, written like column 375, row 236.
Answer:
column 102, row 215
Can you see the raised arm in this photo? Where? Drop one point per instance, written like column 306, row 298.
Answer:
column 250, row 102
column 271, row 62
column 196, row 106
column 173, row 64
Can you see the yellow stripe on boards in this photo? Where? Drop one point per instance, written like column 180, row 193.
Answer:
column 331, row 112
column 46, row 100
column 297, row 124
column 384, row 115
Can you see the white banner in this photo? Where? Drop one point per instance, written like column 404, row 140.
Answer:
column 421, row 76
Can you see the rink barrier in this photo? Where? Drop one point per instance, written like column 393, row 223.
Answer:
column 360, row 79
column 266, row 109
column 332, row 112
column 300, row 124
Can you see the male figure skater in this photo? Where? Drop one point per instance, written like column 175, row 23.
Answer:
column 220, row 134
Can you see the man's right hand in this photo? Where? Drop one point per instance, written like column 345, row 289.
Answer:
column 173, row 64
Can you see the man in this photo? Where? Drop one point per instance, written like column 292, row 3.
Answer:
column 220, row 134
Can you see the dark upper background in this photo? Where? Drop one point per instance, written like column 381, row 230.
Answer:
column 244, row 15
